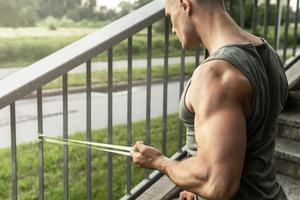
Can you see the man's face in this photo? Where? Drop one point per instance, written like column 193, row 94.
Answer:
column 182, row 24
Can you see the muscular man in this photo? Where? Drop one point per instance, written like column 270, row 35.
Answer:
column 229, row 106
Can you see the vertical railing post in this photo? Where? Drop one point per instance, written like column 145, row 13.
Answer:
column 148, row 95
column 148, row 98
column 286, row 30
column 181, row 86
column 129, row 114
column 88, row 129
column 230, row 7
column 165, row 90
column 13, row 151
column 41, row 144
column 295, row 40
column 206, row 54
column 65, row 136
column 197, row 57
column 243, row 14
column 109, row 127
column 277, row 24
column 254, row 16
column 266, row 19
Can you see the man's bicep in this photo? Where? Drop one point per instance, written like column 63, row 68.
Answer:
column 221, row 138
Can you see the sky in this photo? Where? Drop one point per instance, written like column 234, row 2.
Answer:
column 110, row 3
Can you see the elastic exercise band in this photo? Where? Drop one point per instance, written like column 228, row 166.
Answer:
column 122, row 150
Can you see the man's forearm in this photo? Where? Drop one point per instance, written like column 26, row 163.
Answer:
column 187, row 174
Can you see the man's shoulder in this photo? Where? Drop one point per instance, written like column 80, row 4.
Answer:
column 219, row 72
column 217, row 82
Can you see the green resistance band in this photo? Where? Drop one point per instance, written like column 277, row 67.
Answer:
column 117, row 149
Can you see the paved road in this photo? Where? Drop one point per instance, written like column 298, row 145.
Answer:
column 141, row 63
column 52, row 112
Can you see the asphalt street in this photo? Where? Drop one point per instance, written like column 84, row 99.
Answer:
column 26, row 112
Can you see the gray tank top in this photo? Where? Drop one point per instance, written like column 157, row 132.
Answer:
column 264, row 70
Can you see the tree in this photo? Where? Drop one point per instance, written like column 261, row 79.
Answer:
column 126, row 7
column 105, row 14
column 139, row 3
column 15, row 13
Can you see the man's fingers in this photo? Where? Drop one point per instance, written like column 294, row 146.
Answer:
column 184, row 195
column 139, row 146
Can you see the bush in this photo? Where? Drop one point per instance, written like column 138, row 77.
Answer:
column 68, row 23
column 52, row 27
column 29, row 50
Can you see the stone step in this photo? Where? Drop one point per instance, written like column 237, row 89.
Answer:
column 293, row 76
column 287, row 157
column 290, row 185
column 293, row 101
column 289, row 124
column 295, row 94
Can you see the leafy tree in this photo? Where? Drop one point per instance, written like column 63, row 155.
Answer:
column 55, row 8
column 139, row 3
column 126, row 7
column 105, row 14
column 17, row 13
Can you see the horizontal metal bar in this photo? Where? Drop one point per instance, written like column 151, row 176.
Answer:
column 38, row 74
column 292, row 62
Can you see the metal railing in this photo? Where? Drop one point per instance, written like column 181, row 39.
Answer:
column 34, row 77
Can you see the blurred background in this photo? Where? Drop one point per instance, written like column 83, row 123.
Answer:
column 33, row 29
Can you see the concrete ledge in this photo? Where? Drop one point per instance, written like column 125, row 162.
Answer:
column 287, row 157
column 163, row 189
column 289, row 124
column 290, row 185
column 289, row 132
column 292, row 75
column 290, row 117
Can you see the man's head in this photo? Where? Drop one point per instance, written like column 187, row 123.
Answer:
column 182, row 14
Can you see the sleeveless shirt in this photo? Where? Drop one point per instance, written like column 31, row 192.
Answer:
column 264, row 70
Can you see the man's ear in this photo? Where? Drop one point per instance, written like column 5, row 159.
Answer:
column 186, row 6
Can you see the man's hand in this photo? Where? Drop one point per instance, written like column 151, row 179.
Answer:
column 185, row 195
column 146, row 156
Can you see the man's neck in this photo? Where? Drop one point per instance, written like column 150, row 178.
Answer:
column 217, row 29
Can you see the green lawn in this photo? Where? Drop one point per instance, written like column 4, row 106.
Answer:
column 20, row 51
column 53, row 154
column 120, row 75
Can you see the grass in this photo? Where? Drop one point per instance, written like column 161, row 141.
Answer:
column 53, row 164
column 119, row 75
column 26, row 50
column 22, row 47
